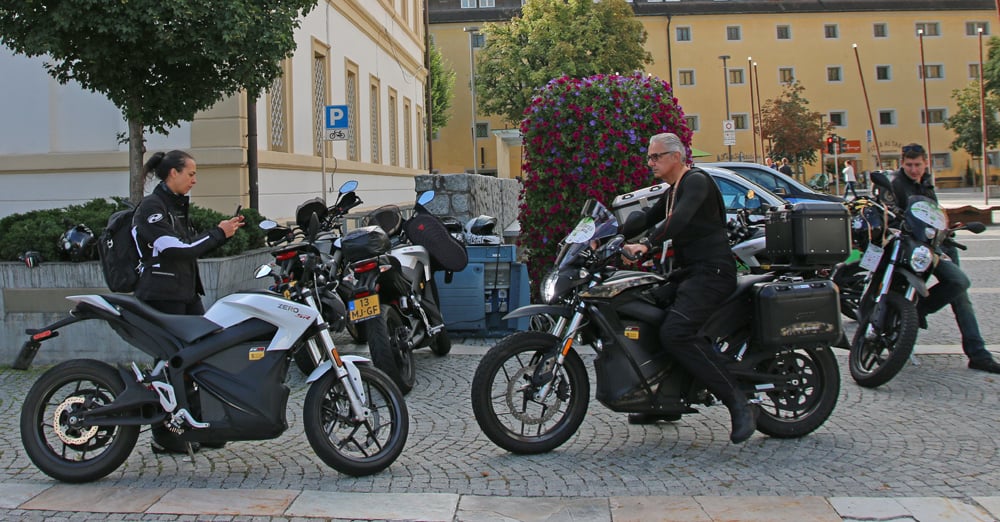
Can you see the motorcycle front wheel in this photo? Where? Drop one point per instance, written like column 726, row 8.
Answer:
column 850, row 279
column 804, row 400
column 350, row 446
column 874, row 362
column 62, row 448
column 388, row 343
column 504, row 397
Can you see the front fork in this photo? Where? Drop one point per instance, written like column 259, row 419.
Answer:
column 343, row 367
column 543, row 377
column 885, row 286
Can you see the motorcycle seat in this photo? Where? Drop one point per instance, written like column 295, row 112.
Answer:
column 188, row 328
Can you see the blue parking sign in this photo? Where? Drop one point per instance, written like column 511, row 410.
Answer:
column 336, row 117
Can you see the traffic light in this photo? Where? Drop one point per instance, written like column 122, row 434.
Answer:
column 829, row 144
column 842, row 144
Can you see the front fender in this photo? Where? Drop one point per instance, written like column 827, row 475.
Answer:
column 539, row 309
column 914, row 280
column 349, row 363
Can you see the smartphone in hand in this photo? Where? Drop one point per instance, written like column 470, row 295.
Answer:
column 239, row 208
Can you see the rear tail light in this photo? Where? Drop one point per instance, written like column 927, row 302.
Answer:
column 365, row 266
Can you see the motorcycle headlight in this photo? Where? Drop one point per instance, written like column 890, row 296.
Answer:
column 931, row 233
column 921, row 259
column 547, row 289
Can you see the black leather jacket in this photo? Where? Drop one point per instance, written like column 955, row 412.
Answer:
column 170, row 247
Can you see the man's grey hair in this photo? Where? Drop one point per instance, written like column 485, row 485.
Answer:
column 671, row 142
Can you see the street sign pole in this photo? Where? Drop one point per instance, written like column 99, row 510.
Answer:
column 337, row 124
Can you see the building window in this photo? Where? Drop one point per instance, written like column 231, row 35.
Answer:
column 933, row 71
column 733, row 33
column 319, row 99
column 887, row 117
column 883, row 72
column 740, row 121
column 786, row 75
column 487, row 3
column 393, row 129
column 831, row 31
column 735, row 76
column 685, row 77
column 838, row 119
column 421, row 137
column 974, row 71
column 375, row 116
column 468, row 4
column 833, row 74
column 929, row 28
column 277, row 109
column 683, row 34
column 936, row 116
column 880, row 30
column 478, row 40
column 972, row 28
column 407, row 135
column 784, row 32
column 482, row 129
column 353, row 104
column 692, row 123
column 942, row 160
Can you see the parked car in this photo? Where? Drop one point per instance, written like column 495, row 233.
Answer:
column 776, row 182
column 734, row 188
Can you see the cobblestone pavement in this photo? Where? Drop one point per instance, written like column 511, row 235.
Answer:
column 930, row 432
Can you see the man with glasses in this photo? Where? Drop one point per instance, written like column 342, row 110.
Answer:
column 952, row 287
column 696, row 222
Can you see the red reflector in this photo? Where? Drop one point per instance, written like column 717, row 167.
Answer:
column 41, row 336
column 284, row 256
column 359, row 295
column 365, row 266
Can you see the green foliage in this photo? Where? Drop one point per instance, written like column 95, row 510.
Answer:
column 442, row 89
column 966, row 124
column 587, row 138
column 554, row 38
column 40, row 230
column 795, row 132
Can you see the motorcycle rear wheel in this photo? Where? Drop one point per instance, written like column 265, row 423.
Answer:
column 795, row 411
column 351, row 447
column 876, row 361
column 502, row 395
column 389, row 349
column 68, row 452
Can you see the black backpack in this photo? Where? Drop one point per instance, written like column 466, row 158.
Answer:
column 120, row 257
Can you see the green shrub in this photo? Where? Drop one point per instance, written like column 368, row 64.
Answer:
column 40, row 230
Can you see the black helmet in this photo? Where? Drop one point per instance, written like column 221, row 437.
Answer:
column 78, row 243
column 867, row 226
column 481, row 226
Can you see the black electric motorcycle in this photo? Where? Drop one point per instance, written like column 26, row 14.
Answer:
column 213, row 378
column 391, row 268
column 899, row 265
column 530, row 391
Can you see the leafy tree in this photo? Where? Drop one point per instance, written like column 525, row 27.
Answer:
column 795, row 132
column 586, row 138
column 159, row 61
column 442, row 89
column 550, row 39
column 965, row 122
column 991, row 68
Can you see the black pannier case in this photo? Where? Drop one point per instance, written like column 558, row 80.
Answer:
column 808, row 234
column 797, row 312
column 362, row 243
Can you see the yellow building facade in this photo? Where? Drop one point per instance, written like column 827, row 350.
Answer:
column 825, row 46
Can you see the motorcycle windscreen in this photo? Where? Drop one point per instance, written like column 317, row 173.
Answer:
column 446, row 252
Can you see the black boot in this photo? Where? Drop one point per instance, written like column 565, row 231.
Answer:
column 744, row 423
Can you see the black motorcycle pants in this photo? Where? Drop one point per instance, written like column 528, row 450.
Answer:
column 698, row 296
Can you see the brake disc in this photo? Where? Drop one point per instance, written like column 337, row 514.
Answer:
column 67, row 432
column 519, row 385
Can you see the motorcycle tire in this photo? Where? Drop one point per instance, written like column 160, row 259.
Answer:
column 73, row 453
column 348, row 446
column 850, row 279
column 797, row 410
column 358, row 332
column 502, row 395
column 875, row 362
column 389, row 350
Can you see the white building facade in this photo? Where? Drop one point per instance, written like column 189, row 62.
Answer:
column 59, row 144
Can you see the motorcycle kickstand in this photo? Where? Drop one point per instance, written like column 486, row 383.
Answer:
column 431, row 330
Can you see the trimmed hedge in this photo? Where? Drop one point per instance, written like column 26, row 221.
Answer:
column 41, row 230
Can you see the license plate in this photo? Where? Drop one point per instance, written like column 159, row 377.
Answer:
column 364, row 308
column 873, row 254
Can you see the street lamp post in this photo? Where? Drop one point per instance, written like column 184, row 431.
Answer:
column 473, row 31
column 725, row 82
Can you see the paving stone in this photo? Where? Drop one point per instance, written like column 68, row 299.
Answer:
column 188, row 501
column 70, row 498
column 13, row 495
column 389, row 506
column 473, row 508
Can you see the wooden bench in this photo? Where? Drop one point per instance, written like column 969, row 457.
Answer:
column 968, row 213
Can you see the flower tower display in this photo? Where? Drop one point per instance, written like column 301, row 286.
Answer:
column 586, row 138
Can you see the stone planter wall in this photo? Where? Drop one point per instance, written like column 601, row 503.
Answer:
column 36, row 297
column 466, row 196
